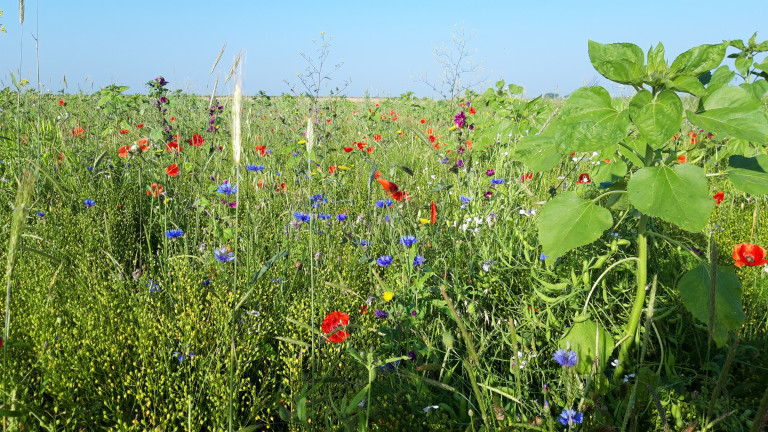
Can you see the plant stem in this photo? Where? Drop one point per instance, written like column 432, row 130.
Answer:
column 637, row 307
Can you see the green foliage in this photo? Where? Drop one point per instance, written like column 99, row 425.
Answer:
column 568, row 221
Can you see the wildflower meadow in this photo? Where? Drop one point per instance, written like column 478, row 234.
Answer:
column 482, row 263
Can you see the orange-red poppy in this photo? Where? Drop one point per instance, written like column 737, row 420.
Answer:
column 124, row 151
column 282, row 188
column 472, row 110
column 433, row 214
column 156, row 190
column 173, row 147
column 143, row 144
column 719, row 197
column 377, row 137
column 388, row 185
column 377, row 175
column 262, row 150
column 78, row 131
column 399, row 196
column 61, row 102
column 196, row 140
column 348, row 149
column 172, row 170
column 124, row 131
column 332, row 169
column 747, row 254
column 682, row 159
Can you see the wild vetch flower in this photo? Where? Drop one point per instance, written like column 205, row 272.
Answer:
column 418, row 260
column 408, row 240
column 254, row 168
column 384, row 261
column 464, row 200
column 444, row 161
column 497, row 181
column 224, row 255
column 227, row 188
column 569, row 416
column 174, row 233
column 301, row 216
column 566, row 358
column 89, row 203
column 381, row 314
column 341, row 217
column 460, row 119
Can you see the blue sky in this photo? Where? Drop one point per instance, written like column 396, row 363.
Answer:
column 385, row 45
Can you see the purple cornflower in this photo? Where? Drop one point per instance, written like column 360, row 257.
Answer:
column 570, row 416
column 408, row 240
column 381, row 314
column 384, row 261
column 341, row 217
column 224, row 255
column 460, row 163
column 566, row 358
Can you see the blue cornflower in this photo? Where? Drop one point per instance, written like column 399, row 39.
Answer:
column 255, row 168
column 322, row 216
column 301, row 216
column 569, row 416
column 206, row 282
column 174, row 233
column 464, row 200
column 444, row 161
column 543, row 257
column 224, row 255
column 227, row 188
column 386, row 219
column 389, row 203
column 318, row 200
column 497, row 181
column 89, row 203
column 418, row 260
column 381, row 314
column 566, row 358
column 365, row 243
column 341, row 217
column 181, row 356
column 380, row 203
column 295, row 154
column 269, row 151
column 153, row 287
column 389, row 367
column 408, row 240
column 41, row 214
column 384, row 261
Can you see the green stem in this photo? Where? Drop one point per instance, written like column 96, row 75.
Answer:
column 637, row 307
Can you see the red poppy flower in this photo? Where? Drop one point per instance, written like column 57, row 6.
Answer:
column 156, row 190
column 682, row 159
column 262, row 150
column 172, row 170
column 77, row 131
column 260, row 183
column 173, row 118
column 749, row 255
column 694, row 140
column 377, row 175
column 370, row 149
column 282, row 188
column 173, row 146
column 472, row 110
column 399, row 195
column 61, row 157
column 377, row 137
column 61, row 102
column 124, row 131
column 143, row 144
column 423, row 121
column 526, row 177
column 140, row 126
column 431, row 138
column 364, row 309
column 196, row 140
column 719, row 197
column 332, row 169
column 348, row 149
column 584, row 179
column 124, row 151
column 388, row 185
column 332, row 322
column 361, row 145
column 433, row 214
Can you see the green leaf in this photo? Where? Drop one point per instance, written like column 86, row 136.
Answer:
column 515, row 89
column 742, row 64
column 619, row 62
column 568, row 222
column 720, row 78
column 687, row 84
column 657, row 118
column 694, row 289
column 698, row 60
column 587, row 338
column 749, row 175
column 679, row 195
column 538, row 152
column 609, row 172
column 301, row 409
column 589, row 122
column 733, row 111
column 356, row 400
column 756, row 88
column 657, row 65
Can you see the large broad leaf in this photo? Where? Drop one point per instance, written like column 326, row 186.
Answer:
column 609, row 172
column 657, row 117
column 568, row 222
column 678, row 195
column 733, row 111
column 619, row 62
column 698, row 60
column 590, row 122
column 756, row 88
column 720, row 78
column 538, row 152
column 587, row 338
column 687, row 84
column 695, row 288
column 749, row 175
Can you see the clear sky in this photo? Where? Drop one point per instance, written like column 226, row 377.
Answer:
column 385, row 45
